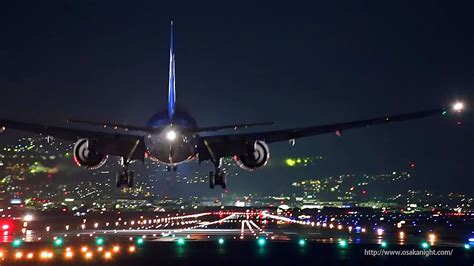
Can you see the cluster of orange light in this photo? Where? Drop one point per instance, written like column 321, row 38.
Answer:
column 86, row 252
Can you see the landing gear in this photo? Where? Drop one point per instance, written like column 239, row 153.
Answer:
column 217, row 178
column 124, row 177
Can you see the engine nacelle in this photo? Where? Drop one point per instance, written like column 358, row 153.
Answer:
column 257, row 156
column 86, row 157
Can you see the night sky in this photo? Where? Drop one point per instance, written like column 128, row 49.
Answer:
column 296, row 64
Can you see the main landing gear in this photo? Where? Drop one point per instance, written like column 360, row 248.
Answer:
column 217, row 178
column 124, row 177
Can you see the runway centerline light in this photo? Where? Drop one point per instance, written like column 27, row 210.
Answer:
column 261, row 242
column 383, row 244
column 68, row 254
column 221, row 241
column 88, row 255
column 467, row 246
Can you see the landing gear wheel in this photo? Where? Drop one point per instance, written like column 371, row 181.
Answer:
column 212, row 180
column 220, row 179
column 130, row 176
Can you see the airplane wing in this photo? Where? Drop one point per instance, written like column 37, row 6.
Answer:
column 218, row 146
column 104, row 142
column 155, row 129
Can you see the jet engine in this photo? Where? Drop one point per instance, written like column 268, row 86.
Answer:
column 257, row 156
column 86, row 157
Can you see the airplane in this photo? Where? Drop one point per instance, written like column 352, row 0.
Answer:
column 172, row 137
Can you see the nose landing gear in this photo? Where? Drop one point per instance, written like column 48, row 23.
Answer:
column 125, row 176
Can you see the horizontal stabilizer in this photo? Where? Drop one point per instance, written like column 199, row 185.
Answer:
column 109, row 125
column 234, row 127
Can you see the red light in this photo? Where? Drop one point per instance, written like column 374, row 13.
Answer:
column 412, row 165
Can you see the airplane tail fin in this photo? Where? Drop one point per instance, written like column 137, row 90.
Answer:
column 171, row 84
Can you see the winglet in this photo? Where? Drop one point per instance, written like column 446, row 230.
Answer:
column 171, row 84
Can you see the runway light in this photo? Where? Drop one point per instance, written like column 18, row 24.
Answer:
column 401, row 234
column 261, row 242
column 116, row 249
column 383, row 244
column 99, row 241
column 68, row 255
column 140, row 241
column 302, row 242
column 84, row 249
column 88, row 255
column 18, row 255
column 29, row 256
column 171, row 135
column 28, row 218
column 107, row 255
column 221, row 241
column 379, row 231
column 458, row 106
column 180, row 241
column 132, row 249
column 16, row 243
column 100, row 249
column 342, row 243
column 58, row 242
column 425, row 245
column 432, row 237
column 467, row 246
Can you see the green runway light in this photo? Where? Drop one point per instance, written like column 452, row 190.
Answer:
column 467, row 246
column 444, row 113
column 99, row 241
column 180, row 241
column 342, row 243
column 140, row 241
column 425, row 245
column 221, row 241
column 58, row 242
column 302, row 242
column 261, row 242
column 290, row 162
column 383, row 244
column 17, row 242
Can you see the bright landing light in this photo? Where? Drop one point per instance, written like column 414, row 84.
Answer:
column 458, row 106
column 171, row 135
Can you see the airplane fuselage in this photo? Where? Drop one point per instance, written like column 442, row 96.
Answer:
column 172, row 143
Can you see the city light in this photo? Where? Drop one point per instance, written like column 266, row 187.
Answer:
column 28, row 218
